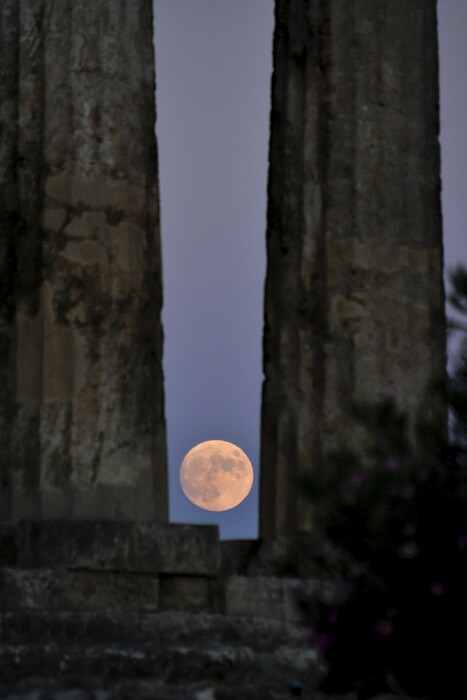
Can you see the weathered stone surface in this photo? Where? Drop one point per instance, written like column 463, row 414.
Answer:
column 149, row 547
column 291, row 556
column 223, row 665
column 297, row 556
column 236, row 555
column 97, row 689
column 278, row 598
column 78, row 590
column 82, row 428
column 8, row 544
column 93, row 650
column 189, row 593
column 124, row 627
column 354, row 301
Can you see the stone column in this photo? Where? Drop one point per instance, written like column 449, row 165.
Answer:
column 354, row 301
column 82, row 427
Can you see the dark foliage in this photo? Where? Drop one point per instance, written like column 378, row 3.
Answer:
column 400, row 513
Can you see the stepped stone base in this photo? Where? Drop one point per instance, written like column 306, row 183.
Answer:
column 98, row 607
column 172, row 654
column 144, row 547
column 77, row 590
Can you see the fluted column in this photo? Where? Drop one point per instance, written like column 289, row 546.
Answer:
column 82, row 425
column 354, row 293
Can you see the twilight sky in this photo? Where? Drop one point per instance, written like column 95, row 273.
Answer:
column 213, row 66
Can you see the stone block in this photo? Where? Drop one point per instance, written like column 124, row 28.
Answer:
column 187, row 593
column 225, row 666
column 78, row 590
column 128, row 627
column 258, row 596
column 8, row 544
column 277, row 598
column 285, row 556
column 53, row 219
column 145, row 547
column 237, row 555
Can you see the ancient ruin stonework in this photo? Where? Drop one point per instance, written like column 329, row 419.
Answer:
column 354, row 294
column 86, row 603
column 82, row 428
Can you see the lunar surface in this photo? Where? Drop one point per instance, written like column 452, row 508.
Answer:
column 216, row 475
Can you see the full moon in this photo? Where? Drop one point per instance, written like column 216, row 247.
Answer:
column 216, row 475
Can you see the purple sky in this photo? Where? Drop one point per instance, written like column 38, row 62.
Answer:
column 213, row 65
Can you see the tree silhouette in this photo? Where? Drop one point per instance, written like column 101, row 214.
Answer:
column 398, row 516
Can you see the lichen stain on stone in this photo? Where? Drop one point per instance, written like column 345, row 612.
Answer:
column 94, row 280
column 120, row 465
column 68, row 294
column 393, row 341
column 28, row 357
column 87, row 225
column 56, row 426
column 114, row 216
column 96, row 191
column 389, row 259
column 59, row 348
column 119, row 249
column 54, row 219
column 359, row 340
column 83, row 252
column 344, row 309
column 127, row 247
column 372, row 314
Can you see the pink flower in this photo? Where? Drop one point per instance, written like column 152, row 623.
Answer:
column 383, row 627
column 392, row 463
column 322, row 642
column 357, row 478
column 408, row 550
column 313, row 621
column 437, row 588
column 409, row 530
column 407, row 491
